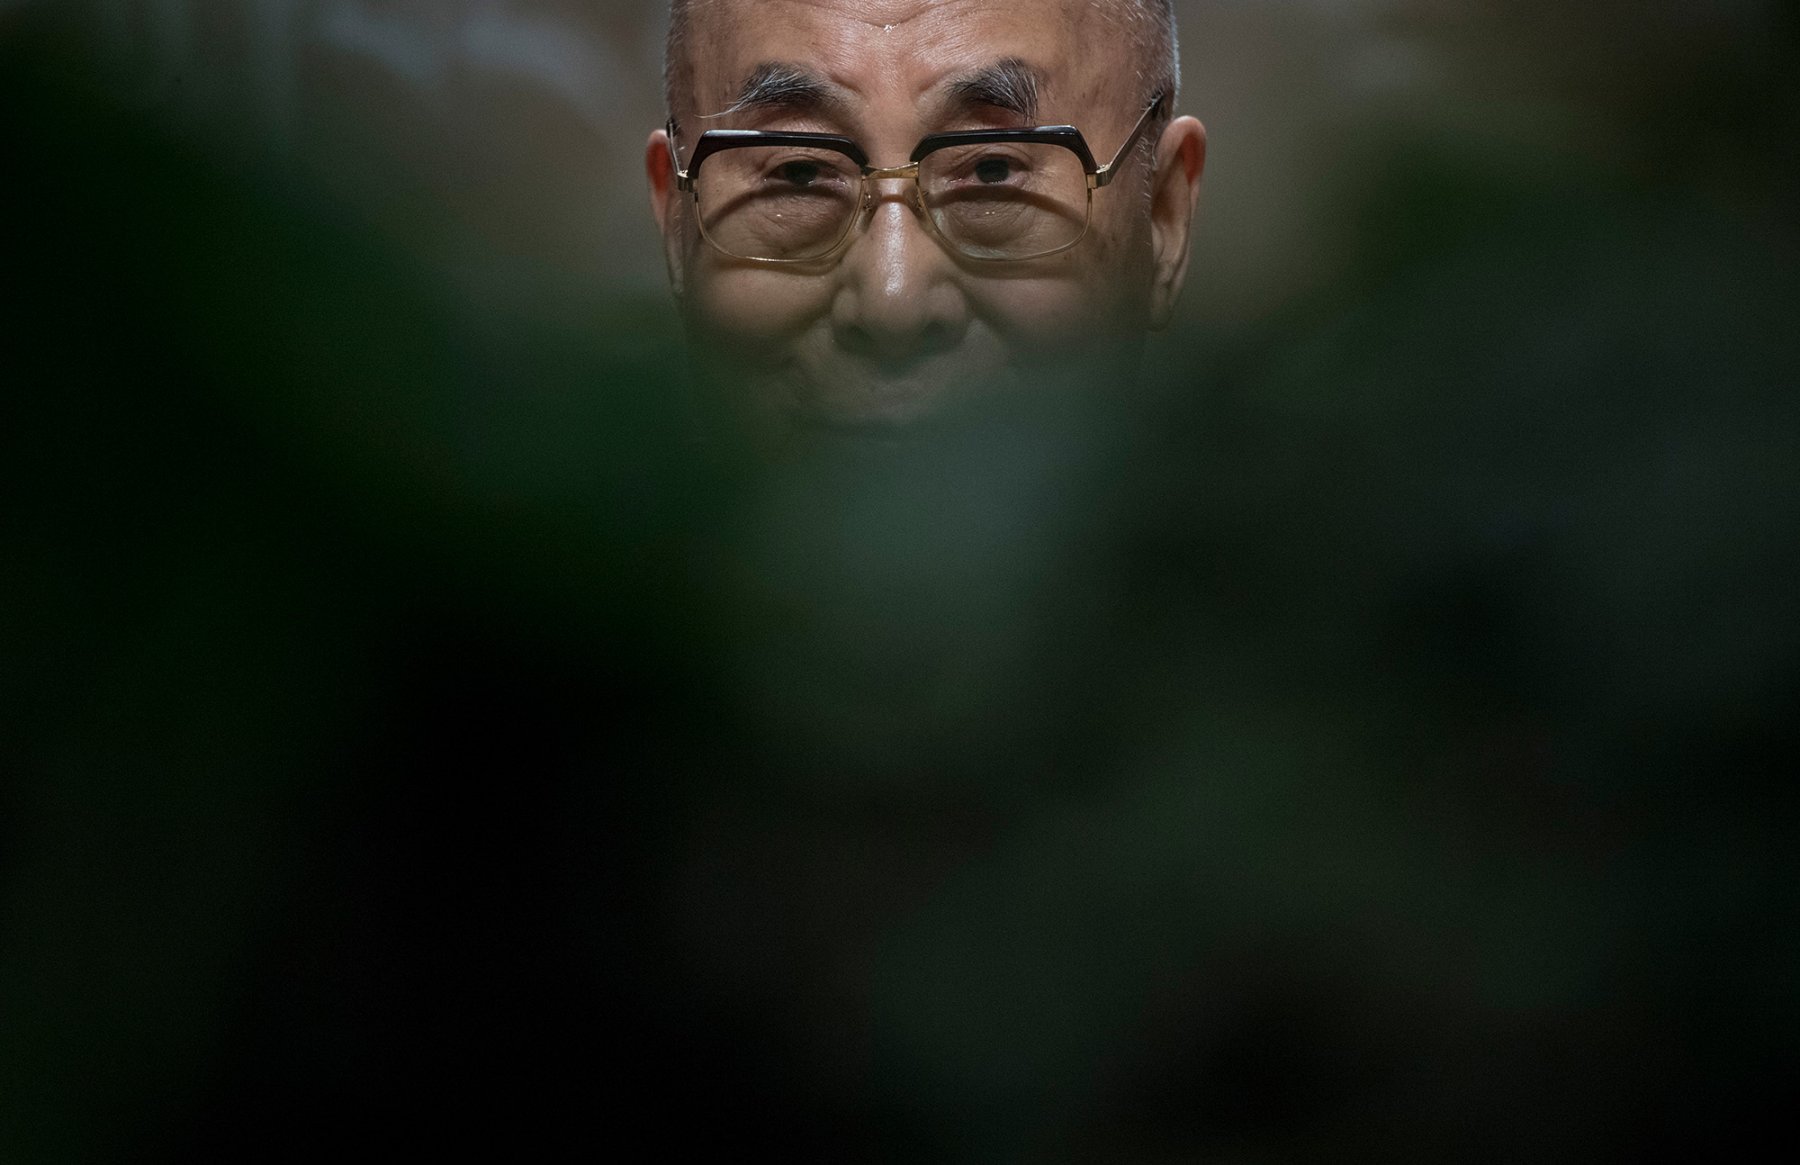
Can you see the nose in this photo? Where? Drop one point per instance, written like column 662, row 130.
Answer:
column 898, row 299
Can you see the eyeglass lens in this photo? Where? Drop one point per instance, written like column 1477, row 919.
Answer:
column 1009, row 200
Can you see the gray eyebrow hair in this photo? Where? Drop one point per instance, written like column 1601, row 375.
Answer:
column 1008, row 84
column 779, row 85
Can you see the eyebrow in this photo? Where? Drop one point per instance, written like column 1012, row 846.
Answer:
column 782, row 87
column 1010, row 85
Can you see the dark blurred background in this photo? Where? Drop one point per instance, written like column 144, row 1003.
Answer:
column 1370, row 737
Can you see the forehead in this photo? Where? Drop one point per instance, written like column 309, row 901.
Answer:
column 885, row 48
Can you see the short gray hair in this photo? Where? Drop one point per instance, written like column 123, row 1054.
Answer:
column 1151, row 23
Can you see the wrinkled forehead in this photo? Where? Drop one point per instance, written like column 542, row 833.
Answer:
column 900, row 52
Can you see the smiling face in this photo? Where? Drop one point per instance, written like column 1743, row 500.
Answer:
column 897, row 326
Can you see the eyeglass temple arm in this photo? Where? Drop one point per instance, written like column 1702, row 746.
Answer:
column 683, row 181
column 1106, row 173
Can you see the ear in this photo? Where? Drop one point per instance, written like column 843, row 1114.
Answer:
column 1174, row 194
column 665, row 204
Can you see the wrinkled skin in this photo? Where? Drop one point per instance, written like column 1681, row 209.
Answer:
column 898, row 330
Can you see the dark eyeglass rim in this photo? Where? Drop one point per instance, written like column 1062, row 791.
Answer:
column 1067, row 136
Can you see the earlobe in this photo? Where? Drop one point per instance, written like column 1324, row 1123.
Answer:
column 1181, row 158
column 659, row 165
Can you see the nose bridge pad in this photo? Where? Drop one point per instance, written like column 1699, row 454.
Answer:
column 910, row 193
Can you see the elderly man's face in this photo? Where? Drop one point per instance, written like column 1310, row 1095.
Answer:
column 897, row 327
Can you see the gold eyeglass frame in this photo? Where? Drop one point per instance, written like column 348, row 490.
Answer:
column 1065, row 136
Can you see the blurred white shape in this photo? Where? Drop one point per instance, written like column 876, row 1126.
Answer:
column 396, row 39
column 580, row 71
column 425, row 45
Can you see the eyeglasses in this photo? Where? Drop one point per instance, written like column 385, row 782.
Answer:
column 991, row 195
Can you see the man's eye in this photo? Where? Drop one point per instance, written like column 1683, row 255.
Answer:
column 993, row 170
column 799, row 173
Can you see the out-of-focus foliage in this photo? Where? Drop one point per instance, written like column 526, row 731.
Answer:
column 1369, row 737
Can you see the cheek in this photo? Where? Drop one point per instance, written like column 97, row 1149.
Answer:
column 1039, row 312
column 1093, row 293
column 753, row 307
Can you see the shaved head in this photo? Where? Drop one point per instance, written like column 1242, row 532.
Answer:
column 1149, row 26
